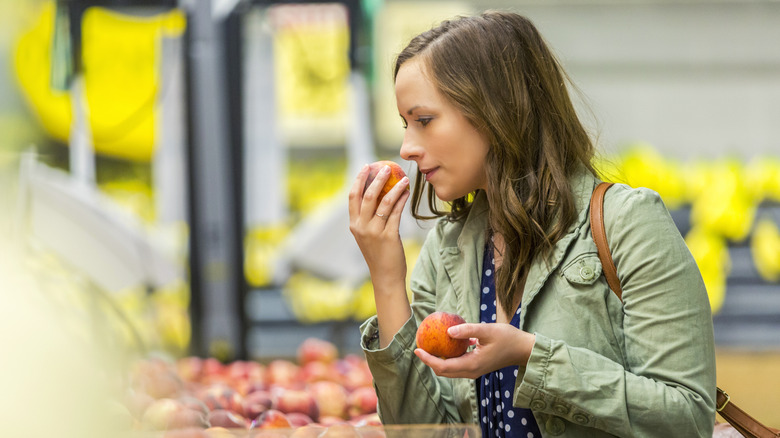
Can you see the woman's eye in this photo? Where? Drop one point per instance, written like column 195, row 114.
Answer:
column 423, row 121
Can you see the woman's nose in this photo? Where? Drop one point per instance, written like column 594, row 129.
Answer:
column 410, row 149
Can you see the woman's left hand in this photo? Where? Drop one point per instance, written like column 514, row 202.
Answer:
column 497, row 345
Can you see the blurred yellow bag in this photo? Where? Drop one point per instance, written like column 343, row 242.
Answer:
column 120, row 59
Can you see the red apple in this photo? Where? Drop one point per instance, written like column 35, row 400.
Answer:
column 331, row 398
column 272, row 419
column 432, row 335
column 227, row 419
column 396, row 174
column 362, row 401
column 293, row 400
column 317, row 350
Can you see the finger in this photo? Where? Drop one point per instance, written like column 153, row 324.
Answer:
column 432, row 361
column 371, row 195
column 356, row 192
column 398, row 208
column 466, row 331
column 453, row 367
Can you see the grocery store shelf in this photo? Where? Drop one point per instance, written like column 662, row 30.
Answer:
column 275, row 332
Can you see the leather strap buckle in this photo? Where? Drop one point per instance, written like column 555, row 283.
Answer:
column 725, row 402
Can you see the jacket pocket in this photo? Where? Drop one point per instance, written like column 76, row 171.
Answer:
column 584, row 270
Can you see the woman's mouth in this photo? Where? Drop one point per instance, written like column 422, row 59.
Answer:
column 428, row 173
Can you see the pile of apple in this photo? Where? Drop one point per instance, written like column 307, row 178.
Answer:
column 320, row 394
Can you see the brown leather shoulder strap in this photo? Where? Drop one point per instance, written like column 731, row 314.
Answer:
column 739, row 419
column 600, row 237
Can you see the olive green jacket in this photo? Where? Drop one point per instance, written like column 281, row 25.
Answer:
column 599, row 367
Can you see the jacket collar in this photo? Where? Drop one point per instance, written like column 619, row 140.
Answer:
column 463, row 244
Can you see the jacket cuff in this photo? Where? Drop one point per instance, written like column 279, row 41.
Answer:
column 530, row 380
column 402, row 342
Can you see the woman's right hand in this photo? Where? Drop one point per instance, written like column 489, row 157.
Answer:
column 375, row 225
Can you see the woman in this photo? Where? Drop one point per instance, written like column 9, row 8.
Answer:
column 494, row 134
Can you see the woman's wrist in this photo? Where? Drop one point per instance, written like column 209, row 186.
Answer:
column 525, row 347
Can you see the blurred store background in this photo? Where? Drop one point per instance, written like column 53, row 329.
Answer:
column 173, row 174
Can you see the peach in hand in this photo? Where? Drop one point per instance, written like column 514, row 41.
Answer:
column 432, row 335
column 396, row 174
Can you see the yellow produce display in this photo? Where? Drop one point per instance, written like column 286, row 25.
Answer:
column 765, row 247
column 723, row 195
column 724, row 202
column 712, row 256
column 121, row 74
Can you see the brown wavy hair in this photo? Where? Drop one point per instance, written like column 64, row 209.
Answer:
column 500, row 73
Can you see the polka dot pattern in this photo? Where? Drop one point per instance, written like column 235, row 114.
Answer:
column 495, row 390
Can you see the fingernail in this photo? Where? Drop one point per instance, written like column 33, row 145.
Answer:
column 386, row 169
column 404, row 180
column 453, row 331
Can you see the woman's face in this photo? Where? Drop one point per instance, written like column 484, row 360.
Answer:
column 448, row 150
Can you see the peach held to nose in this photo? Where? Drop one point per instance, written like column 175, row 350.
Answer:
column 396, row 174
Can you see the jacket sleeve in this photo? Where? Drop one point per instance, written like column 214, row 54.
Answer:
column 667, row 385
column 408, row 390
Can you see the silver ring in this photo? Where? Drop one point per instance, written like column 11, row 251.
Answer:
column 380, row 215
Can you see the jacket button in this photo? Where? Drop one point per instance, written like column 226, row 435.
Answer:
column 538, row 405
column 555, row 426
column 560, row 408
column 586, row 272
column 581, row 418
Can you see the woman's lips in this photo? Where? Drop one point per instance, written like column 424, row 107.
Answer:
column 429, row 172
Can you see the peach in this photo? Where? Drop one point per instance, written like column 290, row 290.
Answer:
column 331, row 398
column 283, row 372
column 272, row 419
column 433, row 338
column 298, row 419
column 257, row 402
column 186, row 418
column 319, row 350
column 227, row 419
column 222, row 396
column 362, row 401
column 396, row 174
column 293, row 400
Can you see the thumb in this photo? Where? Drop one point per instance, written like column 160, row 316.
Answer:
column 464, row 331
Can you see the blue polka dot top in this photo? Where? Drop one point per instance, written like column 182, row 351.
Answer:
column 495, row 390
